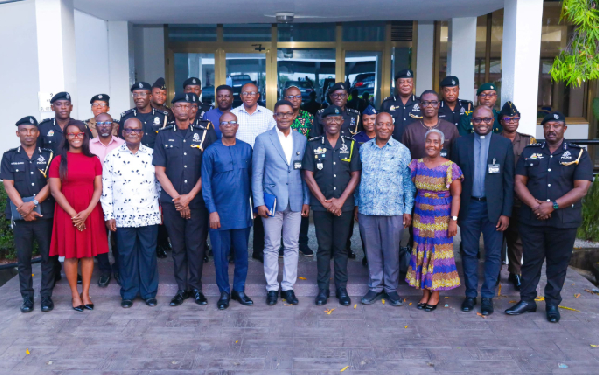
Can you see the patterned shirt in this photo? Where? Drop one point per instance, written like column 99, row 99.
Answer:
column 252, row 125
column 385, row 187
column 130, row 188
column 303, row 123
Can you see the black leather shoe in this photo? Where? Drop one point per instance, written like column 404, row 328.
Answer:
column 521, row 307
column 342, row 295
column 79, row 279
column 552, row 313
column 370, row 297
column 487, row 306
column 223, row 301
column 161, row 252
column 199, row 298
column 27, row 305
column 321, row 299
column 351, row 254
column 306, row 251
column 258, row 257
column 47, row 304
column 421, row 306
column 394, row 299
column 365, row 262
column 430, row 308
column 57, row 277
column 126, row 303
column 242, row 298
column 151, row 302
column 179, row 297
column 468, row 304
column 89, row 306
column 272, row 297
column 116, row 276
column 515, row 280
column 289, row 297
column 103, row 281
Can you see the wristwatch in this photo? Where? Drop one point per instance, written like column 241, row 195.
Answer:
column 455, row 218
column 35, row 202
column 555, row 205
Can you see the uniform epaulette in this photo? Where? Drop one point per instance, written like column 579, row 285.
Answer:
column 321, row 110
column 313, row 138
column 46, row 120
column 46, row 149
column 167, row 127
column 574, row 145
column 347, row 137
column 14, row 149
column 353, row 110
column 534, row 145
column 465, row 101
column 203, row 124
column 127, row 112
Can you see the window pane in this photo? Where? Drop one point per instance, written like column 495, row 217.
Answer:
column 363, row 75
column 247, row 32
column 242, row 68
column 363, row 31
column 443, row 50
column 189, row 33
column 201, row 65
column 306, row 32
column 401, row 58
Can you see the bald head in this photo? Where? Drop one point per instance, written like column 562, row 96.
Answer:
column 384, row 127
column 483, row 120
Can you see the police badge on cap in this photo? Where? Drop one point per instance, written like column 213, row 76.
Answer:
column 554, row 116
column 192, row 81
column 63, row 95
column 141, row 86
column 100, row 97
column 27, row 120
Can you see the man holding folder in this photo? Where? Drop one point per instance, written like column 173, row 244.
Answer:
column 281, row 198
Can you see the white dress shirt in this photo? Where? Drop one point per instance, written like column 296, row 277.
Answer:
column 287, row 144
column 251, row 125
column 130, row 189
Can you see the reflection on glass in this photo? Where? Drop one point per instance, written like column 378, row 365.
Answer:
column 242, row 68
column 363, row 31
column 306, row 32
column 363, row 75
column 188, row 33
column 247, row 32
column 401, row 58
column 311, row 70
column 200, row 65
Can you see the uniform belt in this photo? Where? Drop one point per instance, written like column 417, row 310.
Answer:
column 481, row 199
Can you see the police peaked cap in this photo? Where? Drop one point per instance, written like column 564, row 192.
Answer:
column 100, row 97
column 141, row 86
column 160, row 84
column 404, row 73
column 180, row 98
column 27, row 120
column 370, row 110
column 332, row 110
column 553, row 116
column 338, row 86
column 450, row 81
column 63, row 95
column 192, row 98
column 192, row 81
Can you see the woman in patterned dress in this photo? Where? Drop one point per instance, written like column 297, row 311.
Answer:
column 438, row 183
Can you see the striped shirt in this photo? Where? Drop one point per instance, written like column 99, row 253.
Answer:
column 252, row 125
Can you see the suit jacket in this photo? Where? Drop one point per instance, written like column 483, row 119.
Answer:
column 272, row 174
column 499, row 187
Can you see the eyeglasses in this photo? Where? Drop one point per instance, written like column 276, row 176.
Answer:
column 432, row 103
column 99, row 105
column 284, row 114
column 511, row 119
column 486, row 120
column 251, row 93
column 333, row 120
column 139, row 95
column 232, row 122
column 103, row 123
column 79, row 135
column 132, row 131
column 292, row 97
column 483, row 96
column 339, row 96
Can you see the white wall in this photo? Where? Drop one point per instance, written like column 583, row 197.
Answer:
column 149, row 53
column 18, row 68
column 426, row 33
column 91, row 41
column 461, row 53
column 120, row 60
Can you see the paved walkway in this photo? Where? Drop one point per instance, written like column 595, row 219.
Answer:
column 304, row 339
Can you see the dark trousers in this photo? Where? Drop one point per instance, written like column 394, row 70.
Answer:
column 138, row 272
column 332, row 233
column 471, row 229
column 25, row 232
column 514, row 244
column 303, row 238
column 102, row 259
column 222, row 242
column 163, row 236
column 258, row 242
column 556, row 246
column 188, row 248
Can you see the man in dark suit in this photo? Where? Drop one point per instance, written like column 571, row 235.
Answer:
column 487, row 162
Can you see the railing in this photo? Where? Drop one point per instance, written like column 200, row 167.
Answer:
column 592, row 151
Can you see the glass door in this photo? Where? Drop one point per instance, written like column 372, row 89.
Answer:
column 200, row 65
column 363, row 76
column 242, row 68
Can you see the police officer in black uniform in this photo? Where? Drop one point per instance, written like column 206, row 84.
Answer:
column 451, row 107
column 194, row 85
column 178, row 162
column 404, row 107
column 24, row 171
column 152, row 119
column 332, row 166
column 159, row 98
column 338, row 94
column 551, row 179
column 51, row 129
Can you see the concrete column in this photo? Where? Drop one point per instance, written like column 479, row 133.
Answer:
column 55, row 26
column 120, row 66
column 461, row 53
column 426, row 33
column 521, row 38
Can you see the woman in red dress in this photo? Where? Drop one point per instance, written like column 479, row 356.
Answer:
column 75, row 179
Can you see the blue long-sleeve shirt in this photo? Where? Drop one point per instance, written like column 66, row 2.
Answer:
column 226, row 172
column 213, row 116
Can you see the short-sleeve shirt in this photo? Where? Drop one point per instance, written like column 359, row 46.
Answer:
column 414, row 138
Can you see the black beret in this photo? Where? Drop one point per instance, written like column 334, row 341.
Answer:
column 63, row 95
column 180, row 98
column 449, row 81
column 160, row 84
column 192, row 98
column 27, row 120
column 553, row 116
column 485, row 87
column 509, row 109
column 332, row 110
column 192, row 81
column 338, row 86
column 404, row 73
column 100, row 97
column 141, row 86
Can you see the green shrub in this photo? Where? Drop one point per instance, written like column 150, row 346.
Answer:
column 7, row 246
column 589, row 227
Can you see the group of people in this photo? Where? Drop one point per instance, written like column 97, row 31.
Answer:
column 163, row 178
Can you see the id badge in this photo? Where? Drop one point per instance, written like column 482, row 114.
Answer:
column 297, row 164
column 494, row 168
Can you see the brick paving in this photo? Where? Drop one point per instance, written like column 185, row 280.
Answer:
column 304, row 339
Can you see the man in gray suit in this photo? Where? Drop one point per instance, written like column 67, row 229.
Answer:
column 276, row 170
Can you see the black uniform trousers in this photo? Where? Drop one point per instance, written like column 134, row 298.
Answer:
column 102, row 259
column 258, row 241
column 556, row 246
column 332, row 233
column 188, row 245
column 303, row 238
column 25, row 232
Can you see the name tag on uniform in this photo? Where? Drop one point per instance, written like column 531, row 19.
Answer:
column 494, row 168
column 297, row 164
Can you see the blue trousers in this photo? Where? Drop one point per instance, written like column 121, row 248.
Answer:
column 471, row 229
column 138, row 271
column 222, row 240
